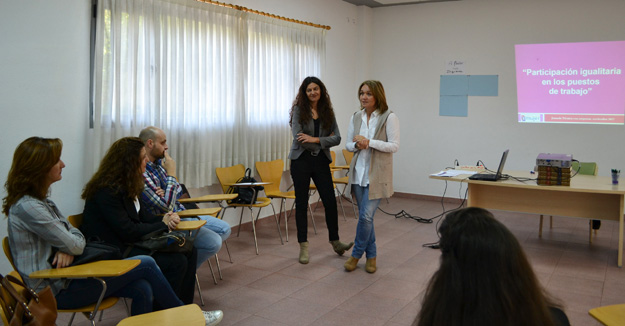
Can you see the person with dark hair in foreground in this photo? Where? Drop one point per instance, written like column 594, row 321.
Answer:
column 484, row 278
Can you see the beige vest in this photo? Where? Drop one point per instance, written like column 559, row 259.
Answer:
column 381, row 165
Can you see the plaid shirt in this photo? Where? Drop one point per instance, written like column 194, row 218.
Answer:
column 156, row 177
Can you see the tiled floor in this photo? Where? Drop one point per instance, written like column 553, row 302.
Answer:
column 274, row 289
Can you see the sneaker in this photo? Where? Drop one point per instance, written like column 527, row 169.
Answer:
column 213, row 317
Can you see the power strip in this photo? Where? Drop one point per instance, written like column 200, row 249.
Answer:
column 470, row 168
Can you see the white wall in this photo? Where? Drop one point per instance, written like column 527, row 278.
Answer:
column 44, row 88
column 411, row 46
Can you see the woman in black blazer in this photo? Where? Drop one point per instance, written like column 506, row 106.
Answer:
column 114, row 214
column 314, row 130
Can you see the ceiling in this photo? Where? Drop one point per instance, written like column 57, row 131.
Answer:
column 389, row 3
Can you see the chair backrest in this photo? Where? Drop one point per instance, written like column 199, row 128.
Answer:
column 271, row 171
column 230, row 174
column 75, row 220
column 348, row 156
column 587, row 168
column 7, row 251
column 333, row 163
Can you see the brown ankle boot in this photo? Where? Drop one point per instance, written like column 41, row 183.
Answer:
column 370, row 265
column 340, row 247
column 303, row 252
column 350, row 264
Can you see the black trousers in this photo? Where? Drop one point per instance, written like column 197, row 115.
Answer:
column 317, row 168
column 178, row 269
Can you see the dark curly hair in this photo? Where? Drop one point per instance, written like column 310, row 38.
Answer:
column 119, row 170
column 324, row 106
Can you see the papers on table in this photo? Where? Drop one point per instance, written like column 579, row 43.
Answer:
column 453, row 173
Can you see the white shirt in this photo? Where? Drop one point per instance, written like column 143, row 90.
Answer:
column 361, row 168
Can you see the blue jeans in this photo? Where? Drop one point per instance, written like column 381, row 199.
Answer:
column 208, row 239
column 365, row 233
column 143, row 284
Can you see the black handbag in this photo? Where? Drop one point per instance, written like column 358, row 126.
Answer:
column 95, row 250
column 247, row 195
column 159, row 241
column 27, row 307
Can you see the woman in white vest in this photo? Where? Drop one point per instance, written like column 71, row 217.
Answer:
column 374, row 136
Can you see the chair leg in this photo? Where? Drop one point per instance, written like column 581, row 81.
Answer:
column 253, row 228
column 199, row 290
column 278, row 226
column 241, row 220
column 221, row 277
column 210, row 266
column 341, row 203
column 354, row 207
column 286, row 222
column 540, row 227
column 277, row 218
column 589, row 231
column 127, row 307
column 71, row 319
column 228, row 250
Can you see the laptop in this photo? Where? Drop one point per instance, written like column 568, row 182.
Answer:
column 490, row 176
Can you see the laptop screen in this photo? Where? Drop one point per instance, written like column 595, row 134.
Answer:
column 502, row 163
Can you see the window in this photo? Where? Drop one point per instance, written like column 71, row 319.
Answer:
column 219, row 81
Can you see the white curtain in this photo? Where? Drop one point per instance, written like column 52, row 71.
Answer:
column 218, row 81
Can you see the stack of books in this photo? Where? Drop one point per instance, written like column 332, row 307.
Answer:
column 553, row 176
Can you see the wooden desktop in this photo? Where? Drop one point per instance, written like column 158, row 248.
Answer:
column 588, row 196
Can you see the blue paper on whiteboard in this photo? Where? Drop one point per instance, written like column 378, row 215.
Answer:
column 483, row 85
column 454, row 85
column 455, row 106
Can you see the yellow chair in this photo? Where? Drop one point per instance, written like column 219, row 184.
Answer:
column 230, row 175
column 189, row 315
column 272, row 172
column 89, row 311
column 348, row 156
column 219, row 199
column 343, row 180
column 585, row 168
column 613, row 315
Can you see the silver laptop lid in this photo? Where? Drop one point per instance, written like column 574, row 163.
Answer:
column 502, row 163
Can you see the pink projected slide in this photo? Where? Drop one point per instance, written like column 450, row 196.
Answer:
column 571, row 82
